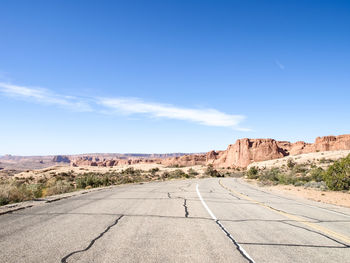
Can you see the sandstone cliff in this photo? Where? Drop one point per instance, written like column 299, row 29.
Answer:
column 246, row 151
column 240, row 154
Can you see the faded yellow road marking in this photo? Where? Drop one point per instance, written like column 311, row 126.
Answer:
column 324, row 230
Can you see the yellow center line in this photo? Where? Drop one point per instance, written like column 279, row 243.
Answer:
column 324, row 230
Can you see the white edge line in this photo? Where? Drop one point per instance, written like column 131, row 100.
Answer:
column 204, row 204
column 214, row 218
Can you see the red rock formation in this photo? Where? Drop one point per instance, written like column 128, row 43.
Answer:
column 332, row 143
column 246, row 151
column 186, row 160
column 240, row 154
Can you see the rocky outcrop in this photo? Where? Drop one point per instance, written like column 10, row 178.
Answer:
column 186, row 160
column 61, row 159
column 332, row 143
column 246, row 151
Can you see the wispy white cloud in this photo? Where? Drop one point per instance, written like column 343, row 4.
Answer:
column 209, row 117
column 129, row 106
column 44, row 96
column 279, row 64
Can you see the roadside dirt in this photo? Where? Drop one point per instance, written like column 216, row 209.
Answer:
column 328, row 197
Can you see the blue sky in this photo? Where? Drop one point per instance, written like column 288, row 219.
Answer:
column 170, row 76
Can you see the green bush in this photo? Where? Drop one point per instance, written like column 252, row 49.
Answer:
column 60, row 187
column 270, row 175
column 210, row 171
column 299, row 168
column 192, row 172
column 177, row 174
column 337, row 176
column 253, row 173
column 91, row 179
column 317, row 174
column 286, row 178
column 154, row 171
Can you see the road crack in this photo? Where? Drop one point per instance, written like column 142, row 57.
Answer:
column 238, row 247
column 64, row 259
column 186, row 208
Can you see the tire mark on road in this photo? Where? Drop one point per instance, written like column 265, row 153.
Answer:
column 235, row 196
column 64, row 259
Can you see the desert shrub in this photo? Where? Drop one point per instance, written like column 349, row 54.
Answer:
column 12, row 192
column 210, row 171
column 317, row 174
column 324, row 160
column 177, row 174
column 252, row 173
column 298, row 183
column 270, row 175
column 299, row 169
column 42, row 180
column 19, row 193
column 320, row 185
column 290, row 163
column 154, row 171
column 36, row 189
column 283, row 178
column 4, row 194
column 89, row 179
column 60, row 187
column 131, row 171
column 165, row 175
column 175, row 166
column 192, row 172
column 126, row 180
column 337, row 176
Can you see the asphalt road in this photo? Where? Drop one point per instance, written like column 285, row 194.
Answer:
column 208, row 220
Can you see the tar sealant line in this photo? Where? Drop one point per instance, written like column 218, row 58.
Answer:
column 238, row 246
column 297, row 202
column 186, row 208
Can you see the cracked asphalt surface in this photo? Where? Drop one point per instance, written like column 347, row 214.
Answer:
column 167, row 222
